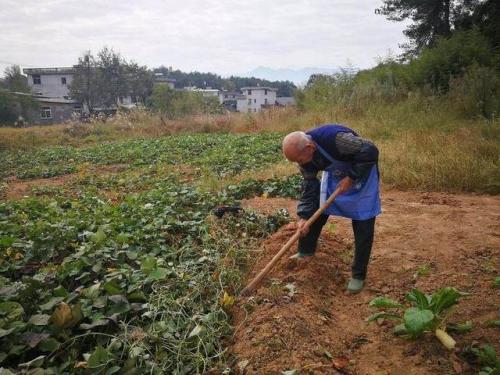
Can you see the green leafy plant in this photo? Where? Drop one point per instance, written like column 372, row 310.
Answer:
column 484, row 357
column 134, row 285
column 427, row 313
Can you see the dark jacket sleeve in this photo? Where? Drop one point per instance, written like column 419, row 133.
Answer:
column 309, row 200
column 363, row 153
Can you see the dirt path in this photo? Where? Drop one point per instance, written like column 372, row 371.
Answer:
column 301, row 318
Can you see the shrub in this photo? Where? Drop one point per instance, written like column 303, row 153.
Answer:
column 477, row 93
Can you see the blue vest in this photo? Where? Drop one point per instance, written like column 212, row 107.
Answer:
column 362, row 201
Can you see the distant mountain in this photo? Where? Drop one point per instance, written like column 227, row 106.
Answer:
column 298, row 76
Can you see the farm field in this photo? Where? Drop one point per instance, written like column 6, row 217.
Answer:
column 112, row 262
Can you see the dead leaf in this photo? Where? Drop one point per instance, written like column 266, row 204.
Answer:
column 65, row 317
column 340, row 362
column 61, row 315
column 81, row 364
column 227, row 300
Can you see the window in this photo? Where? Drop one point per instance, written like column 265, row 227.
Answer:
column 45, row 112
column 249, row 101
column 265, row 91
column 265, row 101
column 63, row 80
column 249, row 92
column 36, row 79
column 255, row 100
column 255, row 109
column 225, row 96
column 77, row 109
column 249, row 110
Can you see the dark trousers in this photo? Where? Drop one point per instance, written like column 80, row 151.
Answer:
column 363, row 240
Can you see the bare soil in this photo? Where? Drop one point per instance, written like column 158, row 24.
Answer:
column 17, row 189
column 301, row 317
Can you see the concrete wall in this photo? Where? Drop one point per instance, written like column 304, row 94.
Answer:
column 51, row 85
column 61, row 112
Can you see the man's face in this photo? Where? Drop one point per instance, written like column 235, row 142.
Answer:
column 303, row 157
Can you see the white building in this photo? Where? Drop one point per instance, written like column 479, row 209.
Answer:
column 50, row 82
column 256, row 99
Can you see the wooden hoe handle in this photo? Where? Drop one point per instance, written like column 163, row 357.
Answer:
column 251, row 286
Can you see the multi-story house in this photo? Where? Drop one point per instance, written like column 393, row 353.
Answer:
column 256, row 99
column 50, row 87
column 50, row 82
column 230, row 99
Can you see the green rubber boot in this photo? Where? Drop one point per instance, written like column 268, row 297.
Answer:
column 355, row 285
column 300, row 255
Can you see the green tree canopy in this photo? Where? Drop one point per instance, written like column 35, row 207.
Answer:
column 173, row 103
column 204, row 80
column 107, row 78
column 434, row 19
column 14, row 80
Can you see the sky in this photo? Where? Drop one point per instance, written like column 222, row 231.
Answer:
column 220, row 36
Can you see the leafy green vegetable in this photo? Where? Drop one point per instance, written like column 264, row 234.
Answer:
column 426, row 314
column 119, row 285
column 443, row 299
column 487, row 359
column 384, row 315
column 417, row 321
column 418, row 298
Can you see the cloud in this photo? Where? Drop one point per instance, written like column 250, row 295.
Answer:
column 223, row 36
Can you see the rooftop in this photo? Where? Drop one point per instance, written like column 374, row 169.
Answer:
column 258, row 88
column 45, row 99
column 61, row 70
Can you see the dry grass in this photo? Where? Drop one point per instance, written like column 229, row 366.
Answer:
column 420, row 148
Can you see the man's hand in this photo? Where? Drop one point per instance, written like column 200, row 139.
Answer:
column 302, row 227
column 345, row 184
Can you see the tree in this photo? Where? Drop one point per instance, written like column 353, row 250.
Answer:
column 105, row 80
column 113, row 80
column 204, row 80
column 484, row 15
column 13, row 106
column 174, row 104
column 85, row 86
column 14, row 80
column 431, row 20
column 140, row 80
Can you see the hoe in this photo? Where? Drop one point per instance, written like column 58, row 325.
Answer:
column 255, row 282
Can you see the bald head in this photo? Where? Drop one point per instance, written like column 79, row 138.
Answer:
column 298, row 147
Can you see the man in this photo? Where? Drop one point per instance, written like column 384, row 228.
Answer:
column 350, row 163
